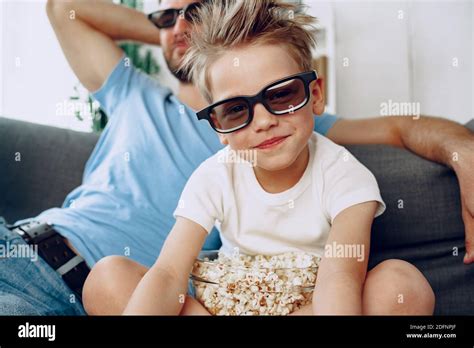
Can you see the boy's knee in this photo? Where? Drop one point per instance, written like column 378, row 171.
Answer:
column 398, row 287
column 101, row 282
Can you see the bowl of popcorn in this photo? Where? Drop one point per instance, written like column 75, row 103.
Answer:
column 240, row 284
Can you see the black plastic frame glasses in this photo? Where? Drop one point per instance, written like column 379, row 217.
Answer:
column 167, row 18
column 260, row 98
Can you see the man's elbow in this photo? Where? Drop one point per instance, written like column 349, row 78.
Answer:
column 395, row 126
column 57, row 9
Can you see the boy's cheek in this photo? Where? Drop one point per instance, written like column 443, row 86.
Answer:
column 223, row 139
column 239, row 140
column 235, row 141
column 304, row 120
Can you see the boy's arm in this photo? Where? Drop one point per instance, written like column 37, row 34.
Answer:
column 163, row 288
column 436, row 139
column 86, row 30
column 340, row 280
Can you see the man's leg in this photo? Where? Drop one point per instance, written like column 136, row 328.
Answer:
column 111, row 283
column 28, row 285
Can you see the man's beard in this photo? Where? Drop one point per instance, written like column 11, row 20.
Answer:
column 179, row 74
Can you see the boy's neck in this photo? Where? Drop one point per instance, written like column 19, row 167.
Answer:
column 189, row 95
column 281, row 180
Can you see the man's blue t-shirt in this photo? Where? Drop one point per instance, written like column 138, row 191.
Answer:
column 134, row 177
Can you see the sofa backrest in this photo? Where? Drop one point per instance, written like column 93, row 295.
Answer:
column 39, row 166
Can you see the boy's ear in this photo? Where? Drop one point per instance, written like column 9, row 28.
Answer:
column 223, row 139
column 316, row 89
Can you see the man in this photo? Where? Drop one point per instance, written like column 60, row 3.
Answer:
column 152, row 144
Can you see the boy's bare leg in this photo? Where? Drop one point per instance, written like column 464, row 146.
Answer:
column 193, row 307
column 393, row 287
column 110, row 285
column 396, row 287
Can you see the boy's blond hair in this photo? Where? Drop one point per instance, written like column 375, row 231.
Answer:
column 228, row 24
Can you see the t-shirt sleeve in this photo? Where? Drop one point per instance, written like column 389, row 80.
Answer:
column 124, row 85
column 201, row 199
column 323, row 123
column 348, row 182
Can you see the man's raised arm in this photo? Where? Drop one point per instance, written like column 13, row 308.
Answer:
column 87, row 30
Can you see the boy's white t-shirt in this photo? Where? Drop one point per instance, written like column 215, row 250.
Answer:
column 229, row 196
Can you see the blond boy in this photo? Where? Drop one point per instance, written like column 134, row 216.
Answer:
column 252, row 62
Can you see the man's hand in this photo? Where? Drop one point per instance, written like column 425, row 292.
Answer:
column 465, row 174
column 87, row 30
column 436, row 139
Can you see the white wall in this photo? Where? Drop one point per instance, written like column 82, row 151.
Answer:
column 404, row 60
column 408, row 59
column 37, row 80
column 440, row 87
column 36, row 75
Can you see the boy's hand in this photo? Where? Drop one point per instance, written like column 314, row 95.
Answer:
column 162, row 290
column 305, row 310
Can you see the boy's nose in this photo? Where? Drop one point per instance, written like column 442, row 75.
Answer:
column 263, row 119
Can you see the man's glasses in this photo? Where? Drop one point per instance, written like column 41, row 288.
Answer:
column 167, row 18
column 280, row 98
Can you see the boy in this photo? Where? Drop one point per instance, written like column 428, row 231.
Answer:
column 301, row 192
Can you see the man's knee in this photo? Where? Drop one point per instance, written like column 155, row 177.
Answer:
column 397, row 287
column 102, row 282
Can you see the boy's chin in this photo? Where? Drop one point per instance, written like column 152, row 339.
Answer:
column 274, row 163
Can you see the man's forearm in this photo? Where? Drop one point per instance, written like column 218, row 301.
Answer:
column 436, row 139
column 116, row 21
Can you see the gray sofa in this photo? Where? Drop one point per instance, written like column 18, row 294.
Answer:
column 425, row 232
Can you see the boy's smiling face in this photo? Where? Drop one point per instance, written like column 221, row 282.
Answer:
column 245, row 71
